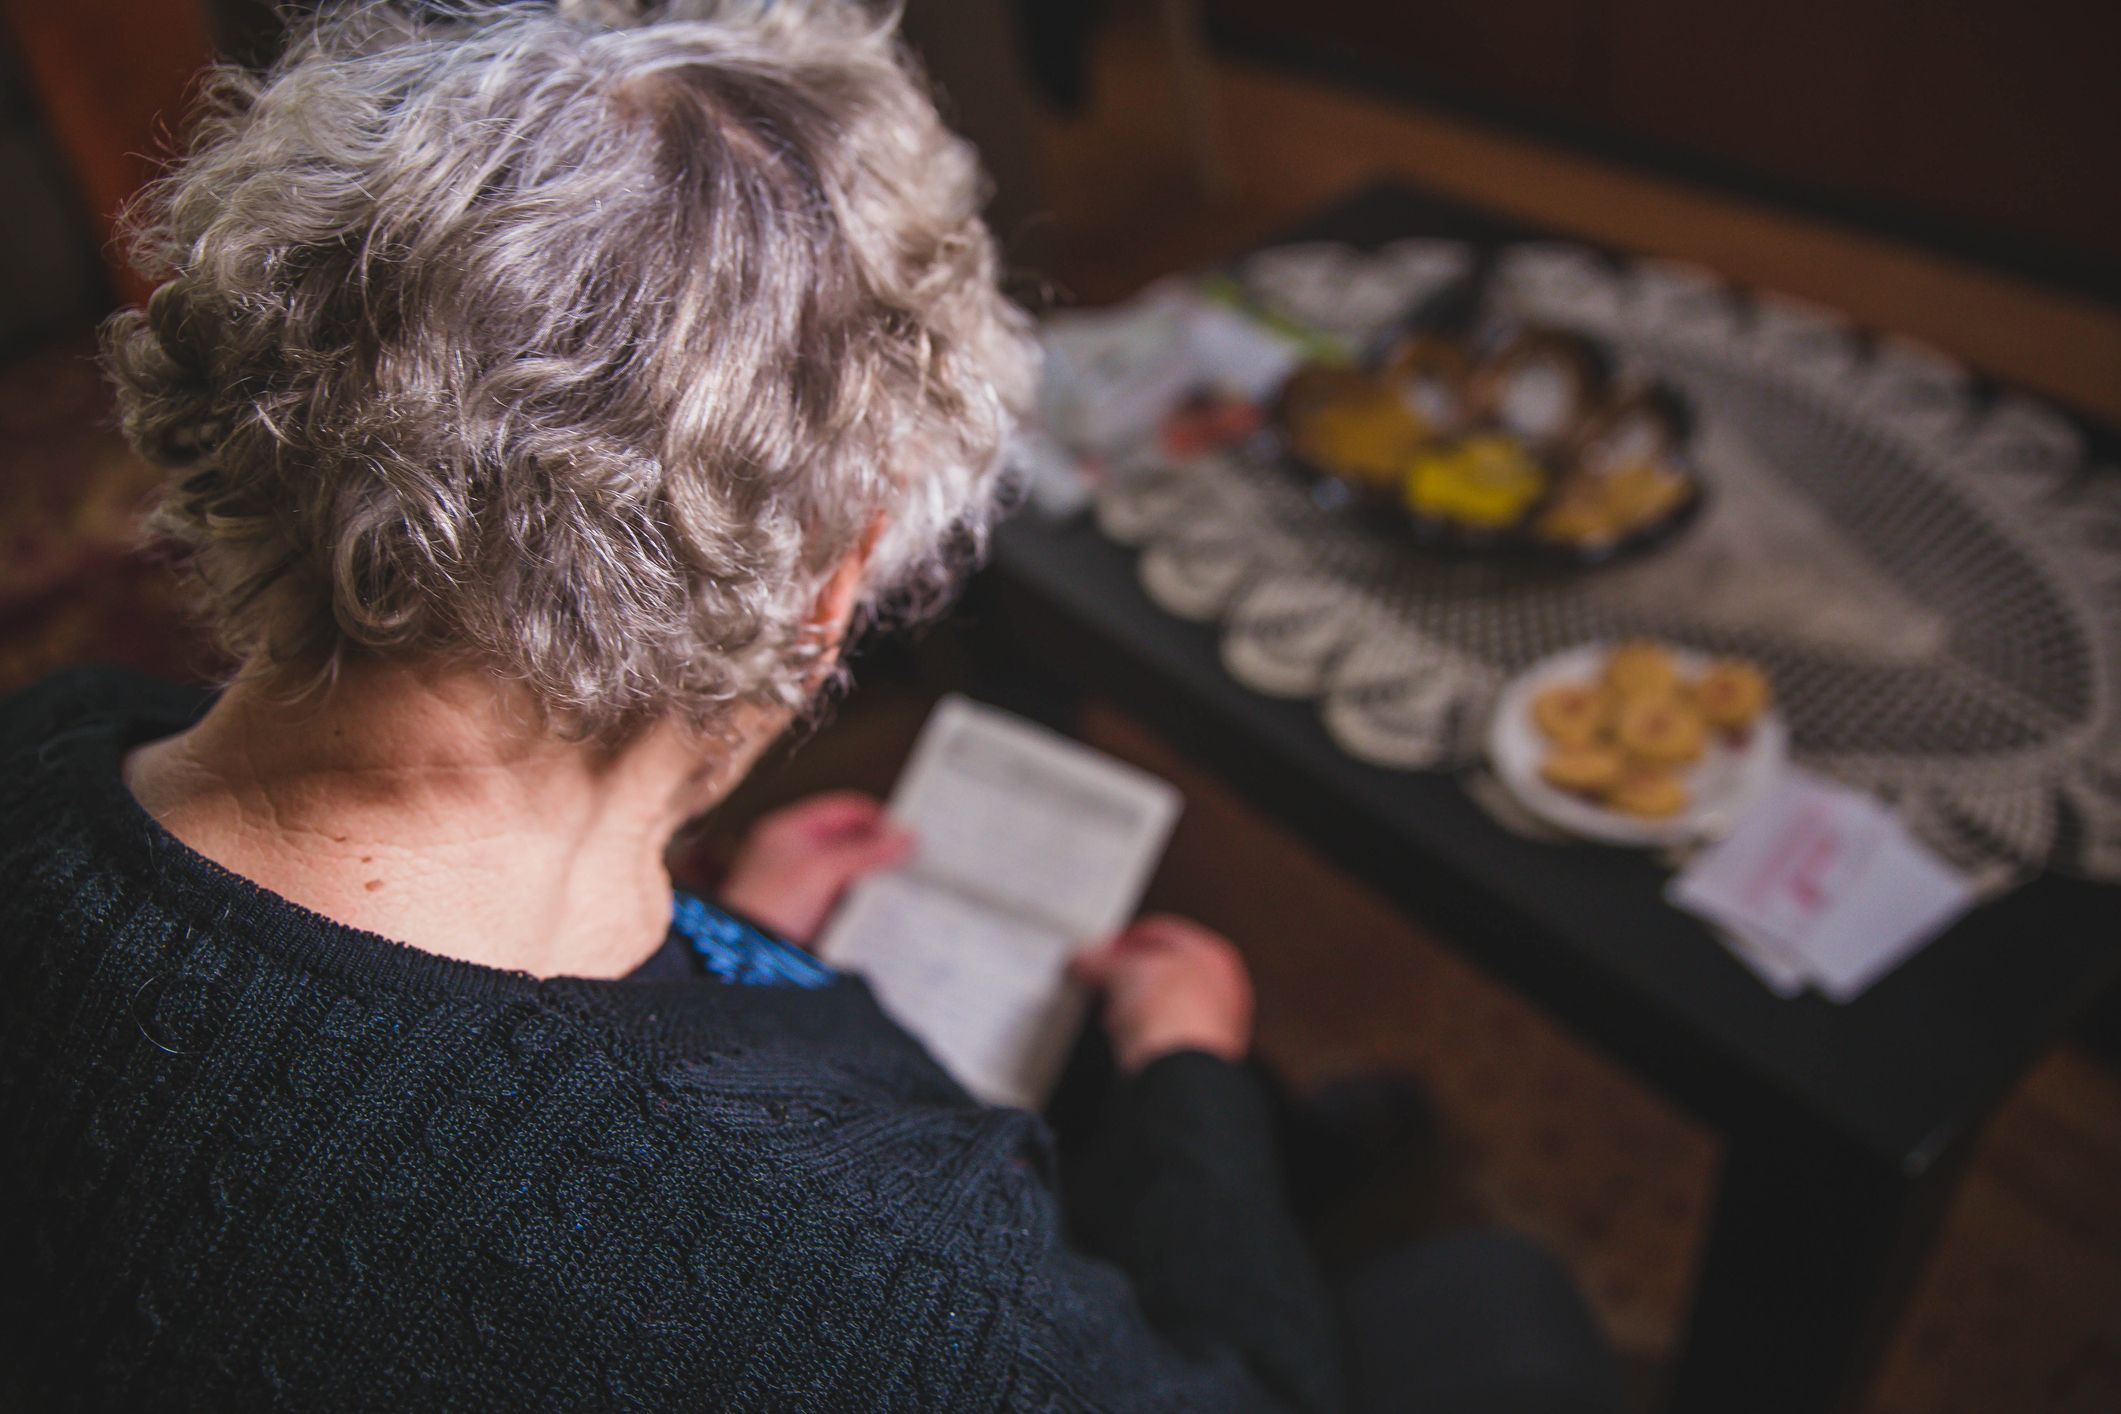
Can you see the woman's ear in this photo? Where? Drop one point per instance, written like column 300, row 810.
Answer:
column 837, row 597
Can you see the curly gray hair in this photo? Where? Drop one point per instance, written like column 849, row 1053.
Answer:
column 580, row 344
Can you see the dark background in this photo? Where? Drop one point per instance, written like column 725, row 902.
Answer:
column 1993, row 126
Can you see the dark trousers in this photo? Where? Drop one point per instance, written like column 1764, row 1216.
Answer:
column 1476, row 1322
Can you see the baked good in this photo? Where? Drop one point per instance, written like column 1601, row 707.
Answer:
column 1486, row 482
column 1731, row 694
column 1641, row 669
column 1572, row 713
column 1648, row 793
column 1664, row 731
column 1591, row 767
column 1349, row 425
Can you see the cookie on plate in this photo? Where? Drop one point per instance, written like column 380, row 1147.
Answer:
column 1572, row 713
column 1649, row 794
column 1731, row 694
column 1641, row 669
column 1592, row 767
column 1664, row 731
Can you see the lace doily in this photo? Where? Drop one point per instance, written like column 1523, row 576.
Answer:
column 1932, row 574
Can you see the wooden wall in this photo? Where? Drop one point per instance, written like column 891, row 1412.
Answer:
column 1998, row 121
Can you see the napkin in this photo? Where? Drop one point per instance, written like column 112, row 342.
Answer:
column 1821, row 886
column 1112, row 374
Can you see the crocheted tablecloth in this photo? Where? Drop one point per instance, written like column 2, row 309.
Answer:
column 1930, row 568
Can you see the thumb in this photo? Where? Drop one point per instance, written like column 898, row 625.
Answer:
column 842, row 861
column 886, row 845
column 1093, row 967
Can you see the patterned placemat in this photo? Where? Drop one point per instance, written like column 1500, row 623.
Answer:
column 1930, row 569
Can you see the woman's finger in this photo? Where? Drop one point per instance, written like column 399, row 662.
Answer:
column 880, row 848
column 1093, row 967
column 1158, row 930
column 833, row 813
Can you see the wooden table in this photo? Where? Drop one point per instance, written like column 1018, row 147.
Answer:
column 1846, row 1126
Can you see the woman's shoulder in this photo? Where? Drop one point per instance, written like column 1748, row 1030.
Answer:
column 214, row 1101
column 571, row 1192
column 62, row 737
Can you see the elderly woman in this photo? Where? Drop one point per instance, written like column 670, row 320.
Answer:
column 549, row 394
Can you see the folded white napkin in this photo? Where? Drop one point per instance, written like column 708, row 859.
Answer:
column 1821, row 886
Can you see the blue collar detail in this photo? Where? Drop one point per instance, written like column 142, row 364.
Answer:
column 734, row 951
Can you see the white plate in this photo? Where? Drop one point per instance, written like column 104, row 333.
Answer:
column 1722, row 783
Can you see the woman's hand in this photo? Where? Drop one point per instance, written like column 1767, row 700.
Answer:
column 796, row 862
column 1170, row 985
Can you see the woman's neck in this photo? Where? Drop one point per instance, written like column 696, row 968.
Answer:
column 430, row 807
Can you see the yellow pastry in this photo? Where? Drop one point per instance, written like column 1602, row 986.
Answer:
column 1665, row 731
column 1572, row 713
column 1594, row 507
column 1365, row 435
column 1592, row 767
column 1487, row 482
column 1731, row 694
column 1351, row 425
column 1649, row 794
column 1640, row 493
column 1578, row 517
column 1641, row 670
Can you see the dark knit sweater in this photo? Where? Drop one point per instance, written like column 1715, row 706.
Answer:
column 252, row 1158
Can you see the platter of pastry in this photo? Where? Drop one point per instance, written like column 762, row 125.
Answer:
column 1643, row 743
column 1519, row 441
